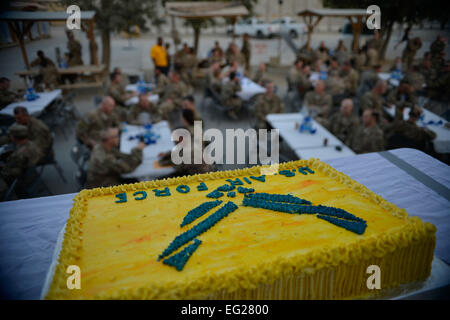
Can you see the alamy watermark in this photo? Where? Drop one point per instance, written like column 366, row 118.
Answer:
column 374, row 20
column 73, row 22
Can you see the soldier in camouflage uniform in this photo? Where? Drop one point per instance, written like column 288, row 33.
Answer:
column 37, row 131
column 7, row 96
column 373, row 49
column 246, row 51
column 334, row 84
column 214, row 78
column 411, row 130
column 235, row 56
column 343, row 124
column 415, row 78
column 172, row 96
column 229, row 95
column 116, row 90
column 350, row 78
column 74, row 47
column 318, row 102
column 410, row 51
column 403, row 96
column 368, row 137
column 89, row 129
column 374, row 99
column 265, row 104
column 437, row 51
column 143, row 112
column 47, row 71
column 25, row 156
column 258, row 77
column 107, row 163
column 161, row 81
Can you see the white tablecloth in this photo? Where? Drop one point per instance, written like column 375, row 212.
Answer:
column 29, row 228
column 305, row 144
column 34, row 107
column 442, row 141
column 387, row 77
column 146, row 169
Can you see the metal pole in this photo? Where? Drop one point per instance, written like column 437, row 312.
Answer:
column 280, row 2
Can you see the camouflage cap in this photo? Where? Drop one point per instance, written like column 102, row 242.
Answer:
column 18, row 131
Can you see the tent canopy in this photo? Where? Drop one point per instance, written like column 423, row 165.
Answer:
column 205, row 9
column 312, row 18
column 20, row 23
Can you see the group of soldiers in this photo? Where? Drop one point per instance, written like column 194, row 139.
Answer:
column 31, row 142
column 351, row 98
column 349, row 101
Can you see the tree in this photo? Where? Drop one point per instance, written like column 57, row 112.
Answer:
column 411, row 12
column 117, row 15
column 198, row 24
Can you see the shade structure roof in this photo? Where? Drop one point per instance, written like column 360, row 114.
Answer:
column 333, row 12
column 205, row 9
column 42, row 16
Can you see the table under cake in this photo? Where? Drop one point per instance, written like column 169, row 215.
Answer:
column 406, row 177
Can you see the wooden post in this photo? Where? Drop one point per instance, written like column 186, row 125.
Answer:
column 357, row 27
column 92, row 43
column 14, row 26
column 233, row 20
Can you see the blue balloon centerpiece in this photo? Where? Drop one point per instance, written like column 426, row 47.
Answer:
column 31, row 95
column 307, row 125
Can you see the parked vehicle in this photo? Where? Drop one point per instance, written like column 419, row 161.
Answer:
column 254, row 27
column 290, row 27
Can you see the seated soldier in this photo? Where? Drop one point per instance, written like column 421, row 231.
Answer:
column 229, row 95
column 116, row 90
column 318, row 102
column 143, row 112
column 409, row 129
column 368, row 137
column 171, row 99
column 344, row 123
column 186, row 167
column 38, row 132
column 402, row 96
column 333, row 65
column 235, row 56
column 322, row 52
column 107, row 163
column 334, row 84
column 217, row 56
column 340, row 53
column 89, row 129
column 259, row 74
column 374, row 99
column 350, row 77
column 161, row 81
column 47, row 70
column 369, row 78
column 189, row 103
column 25, row 156
column 265, row 104
column 214, row 78
column 415, row 78
column 7, row 96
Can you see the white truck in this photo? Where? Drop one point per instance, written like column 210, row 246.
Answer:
column 254, row 27
column 290, row 27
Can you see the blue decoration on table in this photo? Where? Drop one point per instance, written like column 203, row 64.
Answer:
column 215, row 194
column 179, row 260
column 183, row 189
column 226, row 188
column 287, row 173
column 260, row 178
column 142, row 193
column 162, row 193
column 231, row 194
column 198, row 229
column 122, row 197
column 235, row 182
column 247, row 180
column 245, row 190
column 306, row 125
column 199, row 211
column 148, row 137
column 31, row 95
column 202, row 187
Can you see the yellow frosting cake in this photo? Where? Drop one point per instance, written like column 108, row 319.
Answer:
column 128, row 242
